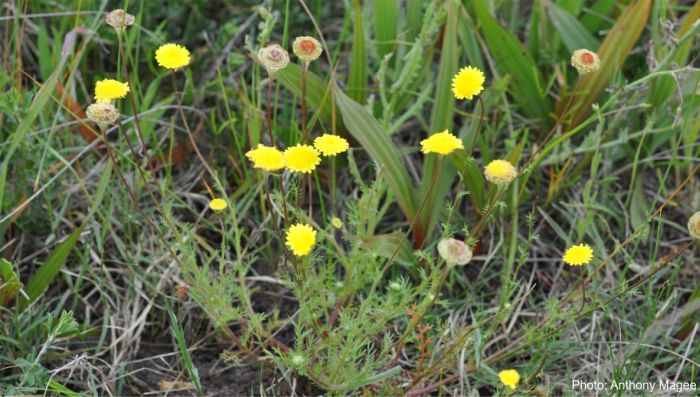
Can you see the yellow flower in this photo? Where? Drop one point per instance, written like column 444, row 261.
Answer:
column 330, row 145
column 301, row 238
column 500, row 172
column 218, row 204
column 585, row 61
column 108, row 90
column 301, row 158
column 441, row 143
column 578, row 255
column 172, row 56
column 266, row 157
column 469, row 81
column 509, row 377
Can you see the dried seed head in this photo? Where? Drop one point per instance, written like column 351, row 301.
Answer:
column 694, row 225
column 307, row 48
column 454, row 252
column 119, row 19
column 273, row 58
column 585, row 61
column 102, row 113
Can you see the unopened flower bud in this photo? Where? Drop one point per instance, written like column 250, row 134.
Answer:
column 119, row 19
column 454, row 252
column 273, row 58
column 337, row 223
column 585, row 61
column 694, row 225
column 102, row 113
column 307, row 48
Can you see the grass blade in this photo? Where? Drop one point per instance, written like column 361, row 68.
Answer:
column 386, row 13
column 357, row 82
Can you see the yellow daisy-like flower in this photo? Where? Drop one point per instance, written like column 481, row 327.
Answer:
column 172, row 56
column 578, row 255
column 330, row 145
column 301, row 238
column 266, row 157
column 500, row 172
column 218, row 204
column 509, row 377
column 108, row 90
column 468, row 82
column 302, row 158
column 441, row 143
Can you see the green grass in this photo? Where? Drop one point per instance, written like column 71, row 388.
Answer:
column 116, row 278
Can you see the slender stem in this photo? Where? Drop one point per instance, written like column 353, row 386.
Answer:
column 178, row 98
column 304, row 132
column 270, row 83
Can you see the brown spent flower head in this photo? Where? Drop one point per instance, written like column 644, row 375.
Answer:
column 307, row 48
column 119, row 19
column 102, row 113
column 585, row 61
column 454, row 252
column 694, row 225
column 273, row 58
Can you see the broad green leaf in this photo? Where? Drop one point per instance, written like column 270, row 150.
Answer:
column 596, row 15
column 613, row 53
column 572, row 33
column 511, row 58
column 387, row 244
column 414, row 18
column 368, row 132
column 357, row 82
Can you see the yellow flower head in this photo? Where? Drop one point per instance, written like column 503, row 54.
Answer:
column 694, row 225
column 266, row 157
column 441, row 143
column 330, row 145
column 468, row 82
column 302, row 158
column 578, row 255
column 585, row 61
column 509, row 377
column 218, row 204
column 301, row 238
column 500, row 172
column 172, row 56
column 108, row 90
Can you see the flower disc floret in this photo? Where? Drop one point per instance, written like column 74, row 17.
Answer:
column 301, row 239
column 331, row 145
column 172, row 56
column 500, row 172
column 266, row 157
column 302, row 158
column 578, row 255
column 441, row 143
column 468, row 82
column 108, row 90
